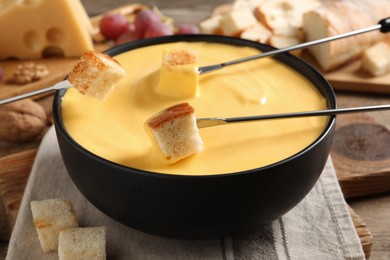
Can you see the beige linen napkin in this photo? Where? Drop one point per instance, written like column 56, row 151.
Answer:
column 318, row 228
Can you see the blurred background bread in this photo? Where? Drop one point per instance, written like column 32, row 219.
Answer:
column 335, row 17
column 283, row 23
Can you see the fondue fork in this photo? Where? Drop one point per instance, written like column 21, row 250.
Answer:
column 215, row 121
column 383, row 26
column 60, row 85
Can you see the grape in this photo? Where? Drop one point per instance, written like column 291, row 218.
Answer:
column 145, row 19
column 187, row 29
column 113, row 25
column 158, row 29
column 128, row 36
column 1, row 73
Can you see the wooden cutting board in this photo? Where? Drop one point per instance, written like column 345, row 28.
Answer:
column 361, row 155
column 352, row 78
column 58, row 69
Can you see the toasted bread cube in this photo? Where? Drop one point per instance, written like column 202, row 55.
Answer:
column 82, row 243
column 174, row 132
column 96, row 74
column 50, row 217
column 179, row 74
column 235, row 22
column 376, row 59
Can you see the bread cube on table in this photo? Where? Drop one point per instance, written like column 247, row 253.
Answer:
column 82, row 243
column 50, row 217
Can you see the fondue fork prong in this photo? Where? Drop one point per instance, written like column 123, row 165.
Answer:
column 383, row 26
column 215, row 121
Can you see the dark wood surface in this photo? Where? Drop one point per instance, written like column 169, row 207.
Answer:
column 374, row 209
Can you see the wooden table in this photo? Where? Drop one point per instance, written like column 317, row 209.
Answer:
column 374, row 209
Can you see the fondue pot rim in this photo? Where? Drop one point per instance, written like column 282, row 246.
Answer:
column 284, row 58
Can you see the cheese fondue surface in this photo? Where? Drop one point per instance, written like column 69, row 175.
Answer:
column 114, row 128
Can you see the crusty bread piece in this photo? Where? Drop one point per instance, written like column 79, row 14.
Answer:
column 175, row 133
column 282, row 14
column 50, row 217
column 280, row 41
column 233, row 23
column 376, row 59
column 95, row 74
column 335, row 17
column 82, row 243
column 211, row 25
column 258, row 33
column 251, row 4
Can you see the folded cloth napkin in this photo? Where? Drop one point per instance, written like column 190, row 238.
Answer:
column 318, row 228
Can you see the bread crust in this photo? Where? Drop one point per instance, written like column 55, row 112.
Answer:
column 180, row 57
column 95, row 74
column 335, row 17
column 171, row 113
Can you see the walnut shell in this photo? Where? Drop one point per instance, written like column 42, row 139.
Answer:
column 22, row 121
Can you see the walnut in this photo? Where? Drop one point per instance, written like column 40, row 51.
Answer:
column 29, row 72
column 21, row 121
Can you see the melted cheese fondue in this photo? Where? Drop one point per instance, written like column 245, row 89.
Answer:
column 114, row 129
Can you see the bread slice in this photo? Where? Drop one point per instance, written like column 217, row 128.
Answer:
column 96, row 74
column 82, row 243
column 335, row 17
column 211, row 25
column 376, row 59
column 50, row 217
column 282, row 14
column 179, row 74
column 257, row 33
column 233, row 23
column 251, row 4
column 280, row 41
column 174, row 132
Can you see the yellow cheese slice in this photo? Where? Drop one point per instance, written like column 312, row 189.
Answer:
column 38, row 28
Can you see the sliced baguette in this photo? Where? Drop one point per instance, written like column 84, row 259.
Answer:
column 211, row 25
column 235, row 22
column 376, row 59
column 258, row 33
column 282, row 14
column 335, row 17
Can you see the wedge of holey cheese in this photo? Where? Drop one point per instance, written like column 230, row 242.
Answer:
column 35, row 29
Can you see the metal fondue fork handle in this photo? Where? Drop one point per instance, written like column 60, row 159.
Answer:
column 60, row 85
column 383, row 26
column 215, row 121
